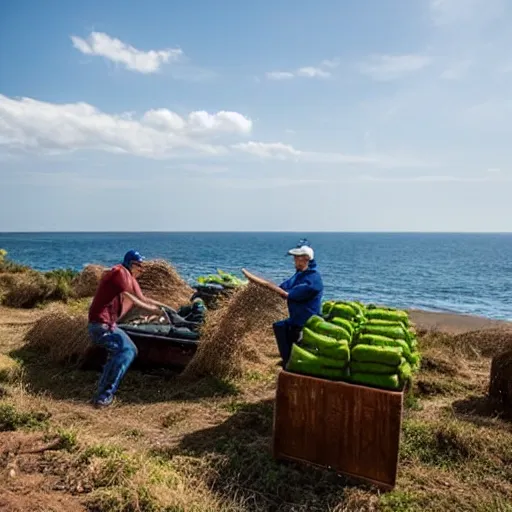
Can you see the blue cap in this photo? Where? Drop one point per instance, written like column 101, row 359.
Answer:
column 132, row 256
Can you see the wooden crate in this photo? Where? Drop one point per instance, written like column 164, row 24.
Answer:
column 352, row 429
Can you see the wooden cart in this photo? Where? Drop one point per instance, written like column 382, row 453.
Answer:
column 352, row 429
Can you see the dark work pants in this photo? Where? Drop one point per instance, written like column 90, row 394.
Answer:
column 286, row 335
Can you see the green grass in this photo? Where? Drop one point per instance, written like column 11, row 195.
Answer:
column 11, row 419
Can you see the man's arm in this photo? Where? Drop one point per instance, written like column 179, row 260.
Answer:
column 141, row 304
column 305, row 291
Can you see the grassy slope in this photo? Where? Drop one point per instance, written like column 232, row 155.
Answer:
column 175, row 446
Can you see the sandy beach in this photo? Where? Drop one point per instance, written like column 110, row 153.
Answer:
column 453, row 323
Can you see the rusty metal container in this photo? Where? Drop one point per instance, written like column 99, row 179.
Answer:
column 352, row 429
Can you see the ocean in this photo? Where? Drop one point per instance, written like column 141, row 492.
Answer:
column 462, row 273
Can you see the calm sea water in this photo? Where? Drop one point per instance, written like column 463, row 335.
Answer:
column 466, row 273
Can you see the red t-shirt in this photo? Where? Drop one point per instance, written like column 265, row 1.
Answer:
column 107, row 304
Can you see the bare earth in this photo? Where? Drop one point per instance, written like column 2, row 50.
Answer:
column 199, row 446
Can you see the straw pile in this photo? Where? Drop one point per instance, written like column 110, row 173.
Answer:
column 500, row 389
column 86, row 283
column 236, row 332
column 485, row 342
column 25, row 290
column 161, row 281
column 63, row 336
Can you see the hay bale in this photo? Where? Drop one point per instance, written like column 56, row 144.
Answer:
column 26, row 290
column 86, row 283
column 500, row 388
column 10, row 369
column 62, row 336
column 485, row 342
column 233, row 332
column 161, row 281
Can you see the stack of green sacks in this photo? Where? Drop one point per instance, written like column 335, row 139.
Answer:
column 384, row 349
column 324, row 350
column 223, row 278
column 370, row 345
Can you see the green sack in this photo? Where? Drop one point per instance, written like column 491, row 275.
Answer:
column 312, row 321
column 302, row 361
column 405, row 372
column 342, row 311
column 388, row 314
column 384, row 341
column 391, row 356
column 357, row 307
column 325, row 345
column 334, row 331
column 326, row 308
column 378, row 381
column 378, row 321
column 378, row 368
column 306, row 368
column 390, row 331
column 414, row 360
column 342, row 322
column 303, row 354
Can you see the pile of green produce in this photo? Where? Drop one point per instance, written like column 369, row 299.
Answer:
column 364, row 344
column 225, row 279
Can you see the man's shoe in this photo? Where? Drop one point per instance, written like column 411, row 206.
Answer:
column 103, row 401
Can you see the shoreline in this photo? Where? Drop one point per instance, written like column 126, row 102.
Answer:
column 454, row 323
column 449, row 323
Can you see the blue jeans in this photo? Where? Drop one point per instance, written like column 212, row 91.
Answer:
column 121, row 352
column 286, row 335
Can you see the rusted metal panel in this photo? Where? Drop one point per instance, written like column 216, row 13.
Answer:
column 352, row 429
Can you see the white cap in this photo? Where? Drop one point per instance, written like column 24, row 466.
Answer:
column 302, row 251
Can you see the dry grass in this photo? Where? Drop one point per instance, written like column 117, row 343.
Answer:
column 161, row 281
column 25, row 290
column 10, row 369
column 86, row 283
column 173, row 445
column 236, row 331
column 62, row 336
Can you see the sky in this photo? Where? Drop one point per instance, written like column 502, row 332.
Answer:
column 277, row 115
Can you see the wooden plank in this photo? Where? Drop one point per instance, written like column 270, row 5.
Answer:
column 353, row 429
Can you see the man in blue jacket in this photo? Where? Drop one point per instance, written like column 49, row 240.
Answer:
column 303, row 293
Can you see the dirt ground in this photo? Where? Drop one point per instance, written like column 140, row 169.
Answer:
column 174, row 445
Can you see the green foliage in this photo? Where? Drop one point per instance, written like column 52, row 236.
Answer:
column 11, row 419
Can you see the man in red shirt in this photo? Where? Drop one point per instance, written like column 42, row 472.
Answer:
column 117, row 292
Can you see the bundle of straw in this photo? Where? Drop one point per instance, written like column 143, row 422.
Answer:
column 25, row 290
column 63, row 336
column 86, row 283
column 235, row 331
column 161, row 282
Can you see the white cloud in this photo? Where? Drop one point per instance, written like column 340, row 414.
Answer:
column 459, row 12
column 230, row 122
column 276, row 150
column 279, row 75
column 103, row 45
column 47, row 127
column 53, row 129
column 494, row 170
column 305, row 71
column 312, row 72
column 392, row 67
column 457, row 71
column 281, row 151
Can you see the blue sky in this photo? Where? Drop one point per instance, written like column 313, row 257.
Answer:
column 331, row 115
